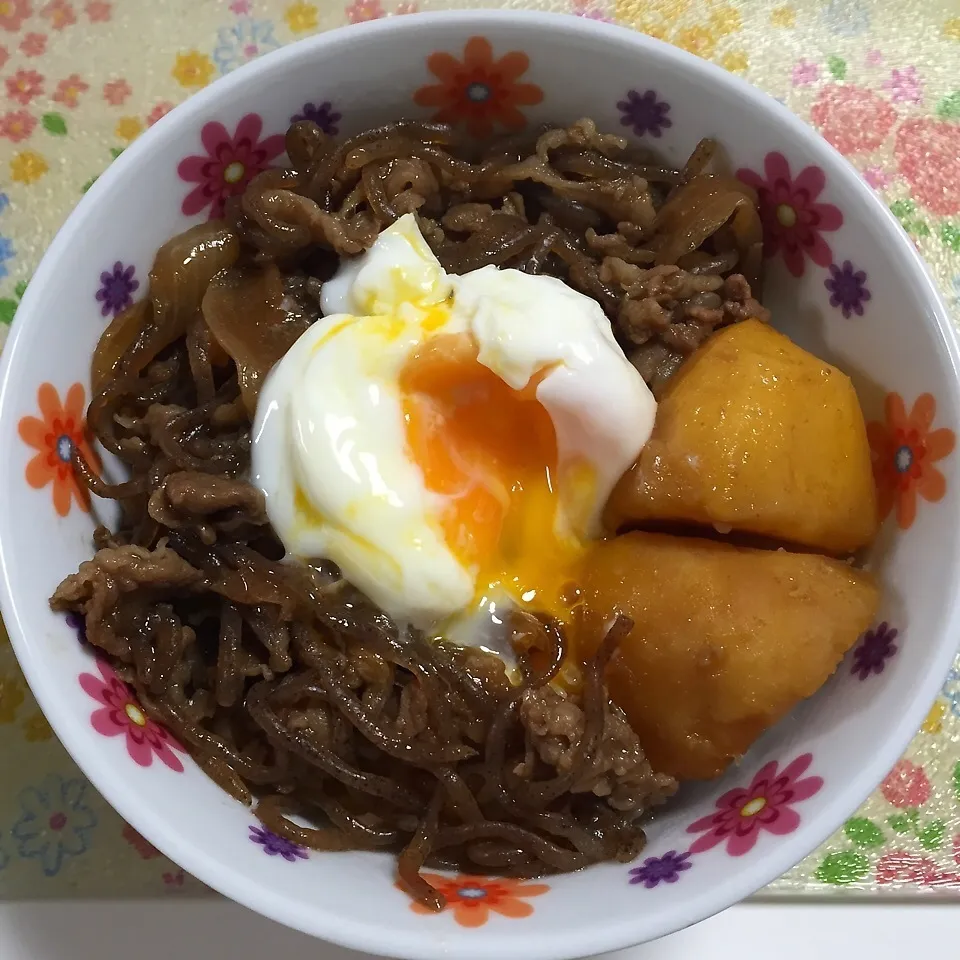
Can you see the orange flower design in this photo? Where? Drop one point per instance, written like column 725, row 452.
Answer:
column 904, row 451
column 59, row 13
column 479, row 91
column 472, row 898
column 69, row 90
column 55, row 434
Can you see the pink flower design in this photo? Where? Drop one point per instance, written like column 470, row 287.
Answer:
column 898, row 866
column 767, row 804
column 121, row 715
column 229, row 165
column 589, row 11
column 928, row 155
column 17, row 125
column 240, row 7
column 13, row 13
column 805, row 72
column 33, row 44
column 906, row 785
column 874, row 58
column 69, row 90
column 59, row 13
column 24, row 85
column 4, row 56
column 98, row 11
column 853, row 119
column 139, row 843
column 160, row 110
column 793, row 221
column 877, row 177
column 362, row 10
column 116, row 91
column 905, row 86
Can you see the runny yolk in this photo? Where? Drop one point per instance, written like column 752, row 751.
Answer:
column 491, row 452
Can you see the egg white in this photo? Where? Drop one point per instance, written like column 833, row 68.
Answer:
column 329, row 447
column 329, row 435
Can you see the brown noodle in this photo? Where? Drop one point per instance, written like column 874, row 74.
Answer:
column 287, row 686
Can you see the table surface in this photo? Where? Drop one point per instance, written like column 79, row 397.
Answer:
column 224, row 931
column 82, row 78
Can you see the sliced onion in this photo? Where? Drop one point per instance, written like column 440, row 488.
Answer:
column 244, row 310
column 115, row 341
column 698, row 209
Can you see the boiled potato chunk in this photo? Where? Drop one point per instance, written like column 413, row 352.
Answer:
column 725, row 640
column 756, row 435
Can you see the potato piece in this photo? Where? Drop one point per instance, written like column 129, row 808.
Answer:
column 725, row 641
column 756, row 435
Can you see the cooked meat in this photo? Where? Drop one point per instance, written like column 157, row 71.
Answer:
column 618, row 772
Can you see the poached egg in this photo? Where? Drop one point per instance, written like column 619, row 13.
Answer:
column 448, row 441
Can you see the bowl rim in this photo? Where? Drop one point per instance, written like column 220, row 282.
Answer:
column 514, row 944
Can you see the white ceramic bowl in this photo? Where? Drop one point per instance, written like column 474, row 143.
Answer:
column 844, row 280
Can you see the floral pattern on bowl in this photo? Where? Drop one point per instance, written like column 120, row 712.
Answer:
column 667, row 868
column 766, row 805
column 274, row 846
column 741, row 815
column 873, row 651
column 117, row 287
column 59, row 430
column 122, row 716
column 794, row 217
column 905, row 450
column 479, row 91
column 322, row 113
column 644, row 113
column 229, row 163
column 472, row 899
column 848, row 288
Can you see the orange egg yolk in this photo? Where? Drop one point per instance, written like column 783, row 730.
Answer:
column 491, row 453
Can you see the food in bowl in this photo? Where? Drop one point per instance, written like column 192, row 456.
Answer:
column 405, row 555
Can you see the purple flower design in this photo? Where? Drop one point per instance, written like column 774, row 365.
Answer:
column 848, row 288
column 274, row 845
column 78, row 623
column 805, row 73
column 905, row 86
column 875, row 649
column 322, row 114
column 116, row 289
column 666, row 869
column 645, row 113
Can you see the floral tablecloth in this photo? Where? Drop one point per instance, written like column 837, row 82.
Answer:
column 81, row 80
